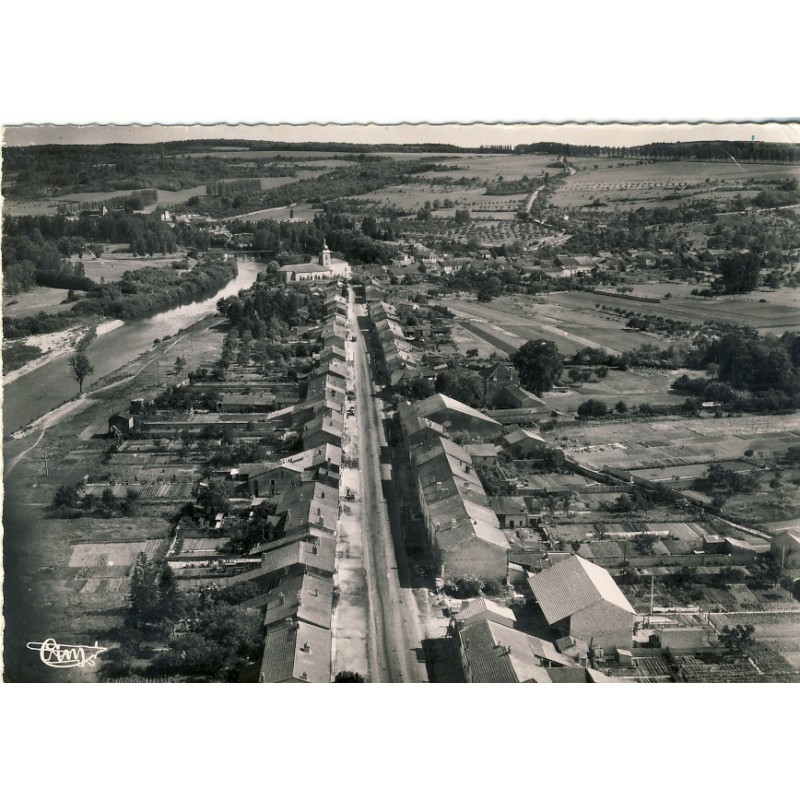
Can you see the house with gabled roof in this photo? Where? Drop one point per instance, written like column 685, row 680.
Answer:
column 316, row 557
column 455, row 415
column 302, row 598
column 581, row 599
column 481, row 608
column 524, row 442
column 296, row 652
column 463, row 531
column 785, row 547
column 492, row 652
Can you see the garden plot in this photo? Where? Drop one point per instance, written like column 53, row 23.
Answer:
column 105, row 585
column 111, row 554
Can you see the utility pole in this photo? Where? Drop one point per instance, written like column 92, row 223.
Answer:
column 46, row 470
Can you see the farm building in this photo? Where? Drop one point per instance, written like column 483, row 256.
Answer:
column 582, row 600
column 785, row 547
column 455, row 416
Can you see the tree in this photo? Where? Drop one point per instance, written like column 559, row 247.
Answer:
column 737, row 638
column 65, row 497
column 167, row 590
column 592, row 408
column 460, row 384
column 143, row 593
column 539, row 365
column 81, row 369
column 346, row 676
column 213, row 498
column 739, row 272
column 180, row 365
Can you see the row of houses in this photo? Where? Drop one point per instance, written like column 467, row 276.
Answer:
column 289, row 574
column 397, row 353
column 464, row 534
column 297, row 570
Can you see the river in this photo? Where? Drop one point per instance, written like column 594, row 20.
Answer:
column 36, row 393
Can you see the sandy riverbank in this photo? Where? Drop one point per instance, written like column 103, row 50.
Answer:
column 54, row 345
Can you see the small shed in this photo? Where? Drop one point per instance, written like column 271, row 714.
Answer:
column 124, row 423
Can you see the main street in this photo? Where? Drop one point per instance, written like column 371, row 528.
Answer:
column 396, row 642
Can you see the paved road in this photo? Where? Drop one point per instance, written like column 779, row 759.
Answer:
column 395, row 630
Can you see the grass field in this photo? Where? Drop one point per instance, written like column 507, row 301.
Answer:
column 112, row 265
column 633, row 387
column 35, row 301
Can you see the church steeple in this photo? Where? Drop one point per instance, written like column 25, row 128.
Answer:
column 325, row 255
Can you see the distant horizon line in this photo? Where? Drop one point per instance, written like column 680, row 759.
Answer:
column 460, row 135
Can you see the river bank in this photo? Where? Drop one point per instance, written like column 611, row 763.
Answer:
column 39, row 390
column 43, row 597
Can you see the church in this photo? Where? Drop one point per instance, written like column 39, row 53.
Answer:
column 327, row 268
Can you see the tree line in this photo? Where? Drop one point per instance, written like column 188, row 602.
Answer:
column 139, row 293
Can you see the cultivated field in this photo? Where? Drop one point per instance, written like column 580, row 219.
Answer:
column 740, row 310
column 642, row 443
column 110, row 554
column 664, row 183
column 571, row 326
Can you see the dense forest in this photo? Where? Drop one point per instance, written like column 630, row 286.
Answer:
column 754, row 152
column 36, row 250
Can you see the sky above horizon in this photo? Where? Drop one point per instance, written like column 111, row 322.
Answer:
column 465, row 135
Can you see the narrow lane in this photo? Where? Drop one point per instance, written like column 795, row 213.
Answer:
column 395, row 628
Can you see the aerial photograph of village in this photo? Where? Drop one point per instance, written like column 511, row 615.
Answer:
column 401, row 412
